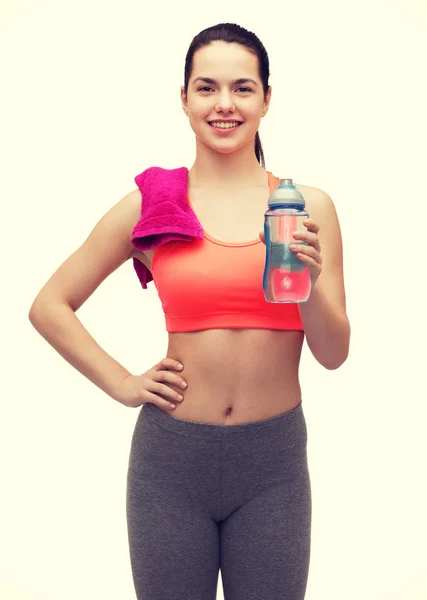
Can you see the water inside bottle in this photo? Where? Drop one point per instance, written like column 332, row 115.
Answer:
column 281, row 256
column 288, row 278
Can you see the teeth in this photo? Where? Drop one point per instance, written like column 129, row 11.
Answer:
column 224, row 125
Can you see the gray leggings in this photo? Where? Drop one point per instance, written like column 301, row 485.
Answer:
column 204, row 497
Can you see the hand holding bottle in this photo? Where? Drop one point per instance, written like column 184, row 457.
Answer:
column 292, row 258
column 310, row 252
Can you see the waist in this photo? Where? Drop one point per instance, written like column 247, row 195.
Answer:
column 237, row 375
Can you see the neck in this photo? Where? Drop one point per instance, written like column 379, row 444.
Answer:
column 232, row 170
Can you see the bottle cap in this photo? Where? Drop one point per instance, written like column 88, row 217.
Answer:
column 286, row 193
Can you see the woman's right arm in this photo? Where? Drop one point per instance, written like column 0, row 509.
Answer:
column 53, row 311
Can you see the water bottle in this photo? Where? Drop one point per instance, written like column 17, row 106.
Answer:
column 286, row 277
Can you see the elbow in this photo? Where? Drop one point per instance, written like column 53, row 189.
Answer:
column 333, row 358
column 38, row 310
column 32, row 313
column 35, row 314
column 42, row 310
column 334, row 365
column 329, row 361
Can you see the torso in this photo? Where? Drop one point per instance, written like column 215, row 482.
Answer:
column 235, row 375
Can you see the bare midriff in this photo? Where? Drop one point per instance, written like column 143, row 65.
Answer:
column 236, row 375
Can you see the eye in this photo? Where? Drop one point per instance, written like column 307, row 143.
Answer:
column 209, row 88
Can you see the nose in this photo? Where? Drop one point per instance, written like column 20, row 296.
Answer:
column 225, row 102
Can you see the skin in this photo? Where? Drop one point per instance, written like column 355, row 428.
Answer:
column 235, row 375
column 232, row 375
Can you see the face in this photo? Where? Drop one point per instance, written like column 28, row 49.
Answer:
column 224, row 98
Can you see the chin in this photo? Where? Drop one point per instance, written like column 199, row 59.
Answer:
column 224, row 146
column 220, row 149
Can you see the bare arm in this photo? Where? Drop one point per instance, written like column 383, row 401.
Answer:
column 324, row 316
column 53, row 310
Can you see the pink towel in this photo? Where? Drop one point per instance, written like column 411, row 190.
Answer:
column 166, row 214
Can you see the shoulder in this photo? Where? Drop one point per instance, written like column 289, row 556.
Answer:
column 313, row 196
column 135, row 197
column 132, row 212
column 318, row 203
column 321, row 209
column 119, row 221
column 129, row 209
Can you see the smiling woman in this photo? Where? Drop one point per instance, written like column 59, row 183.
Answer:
column 234, row 351
column 218, row 472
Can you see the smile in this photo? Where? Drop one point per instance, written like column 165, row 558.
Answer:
column 225, row 125
column 225, row 129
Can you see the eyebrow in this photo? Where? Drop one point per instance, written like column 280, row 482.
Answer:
column 234, row 82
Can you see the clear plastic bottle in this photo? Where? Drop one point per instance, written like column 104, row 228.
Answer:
column 286, row 277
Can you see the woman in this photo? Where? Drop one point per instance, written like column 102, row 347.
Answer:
column 218, row 475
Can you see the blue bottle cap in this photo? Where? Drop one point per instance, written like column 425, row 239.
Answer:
column 286, row 193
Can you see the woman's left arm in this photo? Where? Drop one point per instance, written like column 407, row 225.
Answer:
column 324, row 316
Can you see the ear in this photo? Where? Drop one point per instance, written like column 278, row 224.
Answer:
column 184, row 100
column 267, row 101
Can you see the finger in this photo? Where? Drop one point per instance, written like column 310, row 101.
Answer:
column 165, row 390
column 169, row 363
column 170, row 378
column 311, row 225
column 306, row 251
column 309, row 260
column 160, row 402
column 307, row 236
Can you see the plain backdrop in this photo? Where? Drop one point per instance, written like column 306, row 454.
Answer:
column 90, row 98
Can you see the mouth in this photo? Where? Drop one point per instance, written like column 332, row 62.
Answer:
column 225, row 127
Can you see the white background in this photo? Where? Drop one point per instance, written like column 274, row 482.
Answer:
column 90, row 98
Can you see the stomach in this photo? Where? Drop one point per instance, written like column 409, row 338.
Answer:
column 236, row 375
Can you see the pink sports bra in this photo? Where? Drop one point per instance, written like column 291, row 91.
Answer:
column 210, row 284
